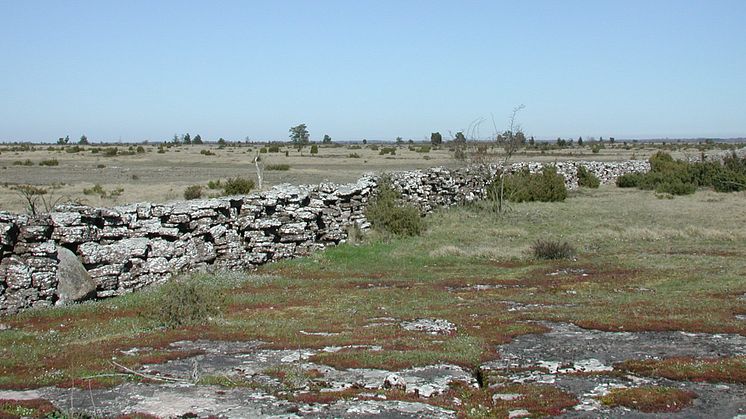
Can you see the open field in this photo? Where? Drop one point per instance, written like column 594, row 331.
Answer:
column 657, row 289
column 151, row 176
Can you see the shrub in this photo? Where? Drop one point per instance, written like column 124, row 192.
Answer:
column 552, row 249
column 186, row 301
column 74, row 149
column 387, row 150
column 386, row 214
column 587, row 179
column 238, row 186
column 424, row 149
column 214, row 184
column 49, row 162
column 111, row 151
column 279, row 167
column 193, row 192
column 314, row 149
column 629, row 180
column 140, row 149
column 676, row 187
column 353, row 156
column 273, row 149
column 206, row 152
column 100, row 166
column 26, row 162
column 263, row 150
column 523, row 186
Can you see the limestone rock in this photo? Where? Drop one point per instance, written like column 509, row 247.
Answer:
column 73, row 281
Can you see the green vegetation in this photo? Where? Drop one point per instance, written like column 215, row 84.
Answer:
column 101, row 192
column 278, row 167
column 49, row 162
column 186, row 301
column 193, row 192
column 552, row 249
column 387, row 214
column 314, row 149
column 26, row 162
column 587, row 179
column 678, row 177
column 524, row 186
column 649, row 398
column 238, row 186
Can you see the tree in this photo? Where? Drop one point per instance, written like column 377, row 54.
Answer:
column 197, row 139
column 459, row 138
column 62, row 141
column 365, row 141
column 436, row 139
column 531, row 141
column 187, row 139
column 327, row 139
column 580, row 141
column 511, row 142
column 83, row 140
column 399, row 141
column 221, row 142
column 460, row 145
column 176, row 139
column 299, row 136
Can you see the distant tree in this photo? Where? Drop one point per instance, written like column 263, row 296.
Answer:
column 221, row 141
column 299, row 135
column 65, row 140
column 399, row 141
column 197, row 139
column 612, row 140
column 83, row 140
column 410, row 141
column 187, row 139
column 365, row 141
column 436, row 139
column 327, row 139
column 531, row 141
column 459, row 142
column 580, row 141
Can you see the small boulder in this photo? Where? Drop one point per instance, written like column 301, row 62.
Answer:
column 73, row 281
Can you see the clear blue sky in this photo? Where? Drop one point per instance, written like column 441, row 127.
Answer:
column 144, row 70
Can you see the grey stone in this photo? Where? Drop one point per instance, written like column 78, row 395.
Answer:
column 73, row 281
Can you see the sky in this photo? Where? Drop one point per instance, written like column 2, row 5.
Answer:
column 145, row 70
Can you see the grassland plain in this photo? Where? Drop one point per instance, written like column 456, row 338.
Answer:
column 159, row 174
column 643, row 264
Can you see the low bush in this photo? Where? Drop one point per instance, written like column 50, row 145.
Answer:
column 186, row 301
column 26, row 162
column 238, row 186
column 524, row 186
column 678, row 177
column 676, row 187
column 587, row 179
column 387, row 150
column 74, row 149
column 353, row 156
column 552, row 249
column 273, row 149
column 314, row 149
column 278, row 167
column 263, row 150
column 629, row 180
column 206, row 152
column 385, row 212
column 193, row 192
column 111, row 151
column 49, row 162
column 215, row 184
column 140, row 149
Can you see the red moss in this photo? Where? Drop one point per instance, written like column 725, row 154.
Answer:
column 650, row 399
column 713, row 370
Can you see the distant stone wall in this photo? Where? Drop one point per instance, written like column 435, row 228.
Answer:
column 128, row 247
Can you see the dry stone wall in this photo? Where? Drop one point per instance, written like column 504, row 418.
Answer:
column 128, row 247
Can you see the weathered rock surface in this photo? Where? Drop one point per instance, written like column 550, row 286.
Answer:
column 73, row 281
